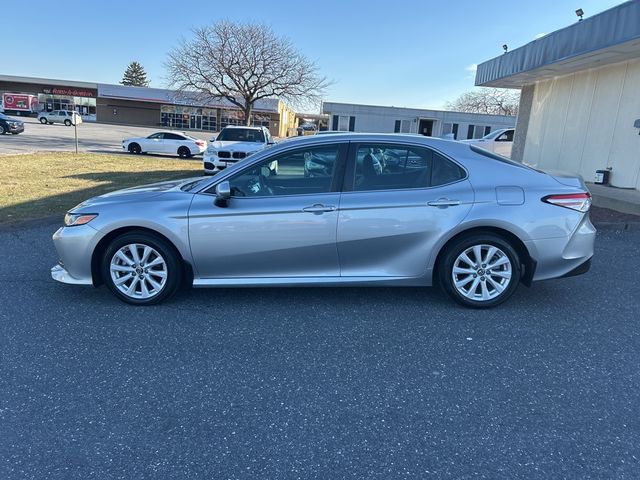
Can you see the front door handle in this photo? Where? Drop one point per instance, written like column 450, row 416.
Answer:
column 443, row 202
column 319, row 208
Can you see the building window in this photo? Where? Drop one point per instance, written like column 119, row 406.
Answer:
column 448, row 128
column 477, row 131
column 343, row 123
column 402, row 126
column 231, row 117
column 85, row 106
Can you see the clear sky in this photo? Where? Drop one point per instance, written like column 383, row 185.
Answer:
column 403, row 53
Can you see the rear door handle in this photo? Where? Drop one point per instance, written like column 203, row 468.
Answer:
column 443, row 202
column 319, row 208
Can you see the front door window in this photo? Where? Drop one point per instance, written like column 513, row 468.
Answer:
column 300, row 172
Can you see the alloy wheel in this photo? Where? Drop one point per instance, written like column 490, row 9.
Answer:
column 482, row 272
column 138, row 271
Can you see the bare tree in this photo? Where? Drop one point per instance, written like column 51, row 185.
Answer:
column 495, row 101
column 243, row 63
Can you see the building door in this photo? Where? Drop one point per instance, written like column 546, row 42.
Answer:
column 195, row 122
column 426, row 128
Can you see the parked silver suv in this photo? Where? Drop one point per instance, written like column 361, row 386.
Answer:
column 59, row 116
column 388, row 210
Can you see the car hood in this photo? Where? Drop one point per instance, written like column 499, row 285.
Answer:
column 237, row 146
column 135, row 194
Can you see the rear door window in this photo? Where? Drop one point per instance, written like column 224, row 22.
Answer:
column 395, row 167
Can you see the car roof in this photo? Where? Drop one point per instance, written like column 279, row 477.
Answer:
column 233, row 127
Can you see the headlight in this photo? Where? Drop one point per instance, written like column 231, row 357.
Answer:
column 75, row 219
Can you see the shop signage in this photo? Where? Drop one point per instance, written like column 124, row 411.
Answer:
column 71, row 92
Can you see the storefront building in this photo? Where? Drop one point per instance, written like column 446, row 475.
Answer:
column 55, row 94
column 143, row 106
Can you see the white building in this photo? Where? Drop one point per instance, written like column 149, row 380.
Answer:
column 580, row 103
column 435, row 123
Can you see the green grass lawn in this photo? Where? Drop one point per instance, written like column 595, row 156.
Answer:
column 44, row 184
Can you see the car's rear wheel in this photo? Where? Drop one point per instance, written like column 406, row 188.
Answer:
column 134, row 148
column 141, row 269
column 43, row 120
column 184, row 152
column 480, row 270
column 67, row 122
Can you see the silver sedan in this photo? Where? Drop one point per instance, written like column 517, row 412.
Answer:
column 392, row 210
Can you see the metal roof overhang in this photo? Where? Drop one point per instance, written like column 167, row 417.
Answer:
column 610, row 37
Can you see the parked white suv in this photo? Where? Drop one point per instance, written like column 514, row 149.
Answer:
column 234, row 143
column 60, row 116
column 498, row 141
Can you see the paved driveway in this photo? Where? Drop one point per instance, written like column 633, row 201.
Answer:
column 319, row 383
column 93, row 137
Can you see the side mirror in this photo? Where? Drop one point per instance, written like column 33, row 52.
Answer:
column 223, row 193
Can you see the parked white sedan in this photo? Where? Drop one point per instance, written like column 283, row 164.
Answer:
column 173, row 143
column 498, row 141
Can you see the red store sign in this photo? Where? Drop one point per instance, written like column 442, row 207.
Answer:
column 71, row 92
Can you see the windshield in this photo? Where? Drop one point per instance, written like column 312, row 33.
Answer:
column 241, row 135
column 493, row 134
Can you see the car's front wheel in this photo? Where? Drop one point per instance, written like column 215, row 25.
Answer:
column 2, row 130
column 43, row 120
column 134, row 148
column 480, row 270
column 141, row 269
column 184, row 152
column 67, row 122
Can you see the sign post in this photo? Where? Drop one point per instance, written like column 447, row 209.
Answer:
column 76, row 120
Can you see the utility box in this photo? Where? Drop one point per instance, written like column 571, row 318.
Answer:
column 602, row 177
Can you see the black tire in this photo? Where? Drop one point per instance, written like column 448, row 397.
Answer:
column 43, row 120
column 2, row 130
column 184, row 152
column 174, row 270
column 479, row 275
column 134, row 148
column 67, row 122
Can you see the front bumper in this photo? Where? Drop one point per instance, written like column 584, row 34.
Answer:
column 16, row 129
column 59, row 274
column 213, row 164
column 75, row 246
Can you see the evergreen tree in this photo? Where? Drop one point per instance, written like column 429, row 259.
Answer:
column 135, row 75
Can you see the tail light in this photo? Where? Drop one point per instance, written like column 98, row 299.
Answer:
column 200, row 143
column 575, row 201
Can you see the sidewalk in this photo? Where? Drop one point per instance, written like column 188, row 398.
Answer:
column 620, row 199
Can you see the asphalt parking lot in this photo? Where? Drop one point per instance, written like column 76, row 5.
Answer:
column 319, row 383
column 92, row 137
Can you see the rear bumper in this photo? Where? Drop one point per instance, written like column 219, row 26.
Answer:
column 579, row 270
column 564, row 256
